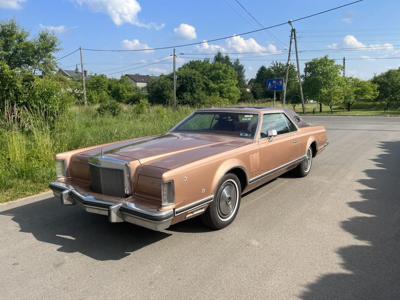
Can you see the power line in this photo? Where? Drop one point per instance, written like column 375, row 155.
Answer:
column 338, row 49
column 125, row 66
column 249, row 13
column 308, row 59
column 238, row 13
column 139, row 67
column 228, row 36
column 68, row 54
column 258, row 22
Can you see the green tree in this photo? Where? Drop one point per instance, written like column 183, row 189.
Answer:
column 276, row 70
column 257, row 84
column 388, row 87
column 223, row 59
column 333, row 95
column 161, row 90
column 199, row 80
column 98, row 89
column 198, row 83
column 191, row 86
column 365, row 90
column 348, row 88
column 223, row 82
column 356, row 90
column 18, row 51
column 321, row 74
column 240, row 73
column 124, row 91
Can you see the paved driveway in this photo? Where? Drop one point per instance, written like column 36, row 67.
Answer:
column 333, row 234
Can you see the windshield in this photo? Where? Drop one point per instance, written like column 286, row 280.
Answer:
column 236, row 124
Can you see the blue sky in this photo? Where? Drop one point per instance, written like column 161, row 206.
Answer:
column 366, row 34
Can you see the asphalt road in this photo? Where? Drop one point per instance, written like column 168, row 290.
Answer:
column 332, row 235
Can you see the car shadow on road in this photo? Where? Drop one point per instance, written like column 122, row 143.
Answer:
column 74, row 230
column 195, row 225
column 373, row 268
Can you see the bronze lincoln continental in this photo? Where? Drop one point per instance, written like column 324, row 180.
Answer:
column 200, row 167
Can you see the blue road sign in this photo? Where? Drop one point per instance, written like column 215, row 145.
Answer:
column 275, row 85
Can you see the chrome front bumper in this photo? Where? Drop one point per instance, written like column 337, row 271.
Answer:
column 116, row 212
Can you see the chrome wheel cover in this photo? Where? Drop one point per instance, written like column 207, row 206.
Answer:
column 308, row 161
column 228, row 200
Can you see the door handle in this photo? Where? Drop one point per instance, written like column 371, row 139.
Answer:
column 294, row 141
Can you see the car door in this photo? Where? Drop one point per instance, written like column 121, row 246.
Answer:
column 278, row 150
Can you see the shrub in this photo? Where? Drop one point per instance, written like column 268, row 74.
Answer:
column 124, row 91
column 160, row 90
column 47, row 99
column 215, row 101
column 21, row 92
column 111, row 107
column 142, row 107
column 95, row 97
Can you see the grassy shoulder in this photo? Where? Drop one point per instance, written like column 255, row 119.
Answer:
column 27, row 158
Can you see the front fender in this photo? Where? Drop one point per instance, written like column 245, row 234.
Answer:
column 224, row 168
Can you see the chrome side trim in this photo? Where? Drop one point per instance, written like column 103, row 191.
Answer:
column 297, row 160
column 193, row 206
column 322, row 147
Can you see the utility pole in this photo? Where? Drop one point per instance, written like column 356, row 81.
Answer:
column 83, row 77
column 174, row 71
column 298, row 66
column 344, row 66
column 287, row 68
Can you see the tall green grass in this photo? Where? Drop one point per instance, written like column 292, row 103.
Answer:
column 27, row 150
column 27, row 155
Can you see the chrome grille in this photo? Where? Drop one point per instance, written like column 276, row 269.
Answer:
column 107, row 181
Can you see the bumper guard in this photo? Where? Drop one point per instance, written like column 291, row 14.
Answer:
column 116, row 212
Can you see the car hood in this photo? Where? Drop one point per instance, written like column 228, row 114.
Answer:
column 170, row 150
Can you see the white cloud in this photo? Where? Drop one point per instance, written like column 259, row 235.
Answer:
column 54, row 29
column 120, row 11
column 272, row 49
column 207, row 48
column 186, row 31
column 11, row 4
column 135, row 44
column 352, row 42
column 240, row 45
column 385, row 46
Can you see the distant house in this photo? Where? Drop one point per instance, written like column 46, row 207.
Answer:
column 72, row 74
column 138, row 80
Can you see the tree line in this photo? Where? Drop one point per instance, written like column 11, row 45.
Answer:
column 29, row 81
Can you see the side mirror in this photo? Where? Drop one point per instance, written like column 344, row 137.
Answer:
column 272, row 133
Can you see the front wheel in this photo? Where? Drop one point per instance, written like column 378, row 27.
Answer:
column 304, row 168
column 225, row 206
